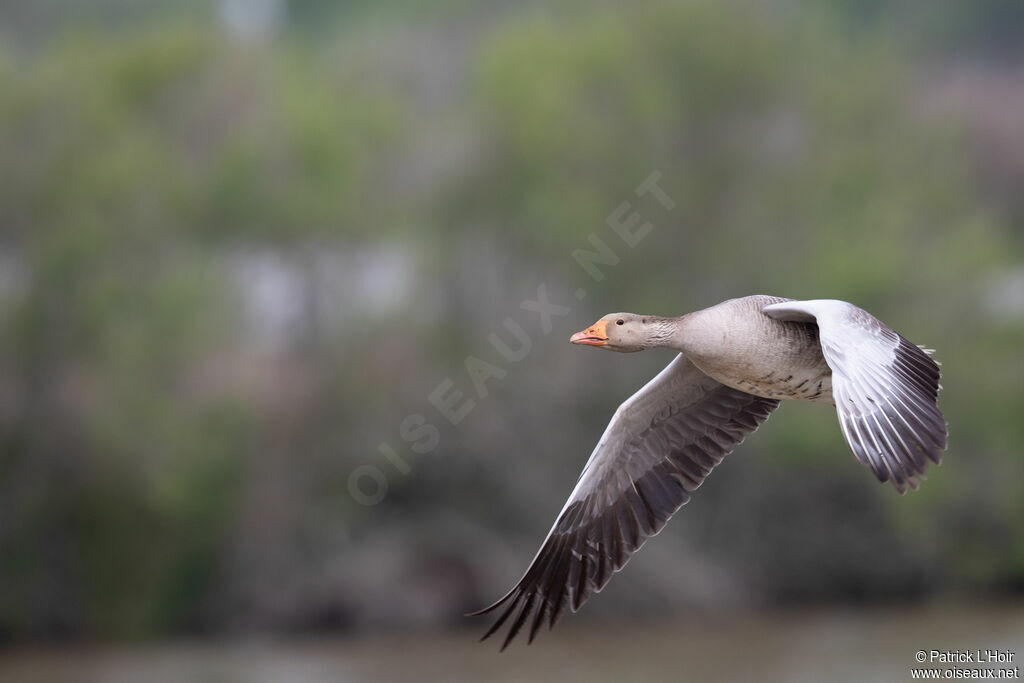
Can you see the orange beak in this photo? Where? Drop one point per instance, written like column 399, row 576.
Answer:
column 595, row 335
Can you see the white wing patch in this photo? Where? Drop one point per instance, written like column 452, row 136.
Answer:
column 884, row 387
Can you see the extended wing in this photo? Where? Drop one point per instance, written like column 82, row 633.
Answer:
column 884, row 387
column 660, row 445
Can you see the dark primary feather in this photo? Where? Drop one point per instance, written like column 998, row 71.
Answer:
column 890, row 418
column 884, row 387
column 641, row 472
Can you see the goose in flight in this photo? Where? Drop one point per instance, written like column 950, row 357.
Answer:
column 737, row 360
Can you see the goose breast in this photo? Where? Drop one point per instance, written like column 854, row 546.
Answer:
column 741, row 347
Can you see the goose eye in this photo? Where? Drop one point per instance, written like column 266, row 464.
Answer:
column 620, row 321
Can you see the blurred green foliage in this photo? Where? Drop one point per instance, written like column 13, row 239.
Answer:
column 160, row 471
column 128, row 161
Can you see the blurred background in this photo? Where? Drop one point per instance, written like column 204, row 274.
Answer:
column 253, row 251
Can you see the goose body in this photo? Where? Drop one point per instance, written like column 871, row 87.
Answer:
column 743, row 348
column 737, row 360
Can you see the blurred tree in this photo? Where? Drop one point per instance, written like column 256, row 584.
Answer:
column 400, row 188
column 133, row 168
column 801, row 167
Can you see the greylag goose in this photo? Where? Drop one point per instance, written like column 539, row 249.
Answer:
column 737, row 360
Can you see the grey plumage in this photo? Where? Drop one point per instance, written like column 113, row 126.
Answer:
column 737, row 360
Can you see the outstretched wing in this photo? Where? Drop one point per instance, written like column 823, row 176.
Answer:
column 660, row 445
column 884, row 387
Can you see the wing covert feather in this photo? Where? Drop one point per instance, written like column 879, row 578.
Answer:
column 658, row 448
column 885, row 389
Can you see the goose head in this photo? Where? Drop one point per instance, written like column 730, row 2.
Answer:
column 625, row 332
